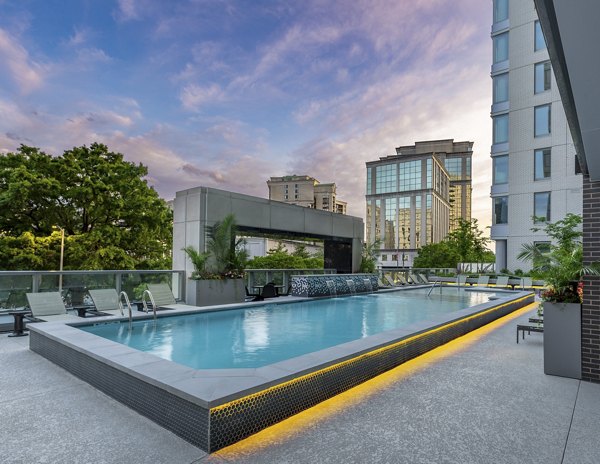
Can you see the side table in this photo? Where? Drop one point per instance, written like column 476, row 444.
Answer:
column 18, row 327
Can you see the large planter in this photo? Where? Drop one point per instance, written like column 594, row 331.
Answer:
column 562, row 339
column 214, row 292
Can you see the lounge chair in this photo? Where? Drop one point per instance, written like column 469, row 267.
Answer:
column 502, row 281
column 389, row 281
column 107, row 301
column 162, row 297
column 483, row 281
column 412, row 278
column 461, row 280
column 49, row 307
column 526, row 282
column 422, row 279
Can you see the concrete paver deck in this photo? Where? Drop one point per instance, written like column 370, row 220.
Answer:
column 479, row 399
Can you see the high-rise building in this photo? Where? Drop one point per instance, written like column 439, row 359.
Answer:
column 414, row 196
column 306, row 191
column 535, row 176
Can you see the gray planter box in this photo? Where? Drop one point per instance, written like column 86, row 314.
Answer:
column 214, row 292
column 562, row 339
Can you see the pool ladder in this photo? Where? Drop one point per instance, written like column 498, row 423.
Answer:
column 123, row 297
column 145, row 303
column 433, row 286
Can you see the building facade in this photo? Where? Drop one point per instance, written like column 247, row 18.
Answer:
column 306, row 191
column 414, row 196
column 535, row 176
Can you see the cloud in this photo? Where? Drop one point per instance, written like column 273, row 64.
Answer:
column 26, row 74
column 127, row 10
column 194, row 96
column 92, row 55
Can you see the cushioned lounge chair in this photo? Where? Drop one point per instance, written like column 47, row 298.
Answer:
column 107, row 301
column 49, row 307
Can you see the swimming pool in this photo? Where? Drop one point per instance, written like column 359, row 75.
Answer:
column 259, row 336
column 213, row 408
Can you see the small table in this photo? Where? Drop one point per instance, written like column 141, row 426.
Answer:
column 19, row 327
column 82, row 309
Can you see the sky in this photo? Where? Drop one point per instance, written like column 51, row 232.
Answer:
column 227, row 93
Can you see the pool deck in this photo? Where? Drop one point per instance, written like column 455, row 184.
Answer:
column 481, row 398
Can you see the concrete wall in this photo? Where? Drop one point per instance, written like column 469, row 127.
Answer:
column 196, row 208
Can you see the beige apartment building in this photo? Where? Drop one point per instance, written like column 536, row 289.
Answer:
column 416, row 196
column 306, row 191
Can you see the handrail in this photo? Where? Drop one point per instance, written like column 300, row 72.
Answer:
column 433, row 286
column 123, row 296
column 147, row 292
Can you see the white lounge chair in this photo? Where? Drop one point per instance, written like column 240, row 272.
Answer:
column 483, row 280
column 526, row 282
column 163, row 297
column 49, row 307
column 502, row 281
column 107, row 301
column 461, row 280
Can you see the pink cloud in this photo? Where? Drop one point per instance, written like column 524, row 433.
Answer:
column 27, row 74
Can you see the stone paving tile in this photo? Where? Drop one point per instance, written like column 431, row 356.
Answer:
column 485, row 401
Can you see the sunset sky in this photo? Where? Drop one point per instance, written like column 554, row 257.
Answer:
column 226, row 93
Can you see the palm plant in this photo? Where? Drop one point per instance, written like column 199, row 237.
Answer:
column 225, row 256
column 562, row 266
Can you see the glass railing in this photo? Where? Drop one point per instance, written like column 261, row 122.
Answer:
column 74, row 284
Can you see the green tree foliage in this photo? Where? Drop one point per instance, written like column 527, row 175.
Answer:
column 111, row 217
column 280, row 258
column 440, row 254
column 465, row 244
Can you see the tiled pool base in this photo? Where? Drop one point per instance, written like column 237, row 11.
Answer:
column 215, row 408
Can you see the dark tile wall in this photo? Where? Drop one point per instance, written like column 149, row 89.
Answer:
column 590, row 317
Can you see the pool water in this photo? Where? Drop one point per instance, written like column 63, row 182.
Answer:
column 258, row 336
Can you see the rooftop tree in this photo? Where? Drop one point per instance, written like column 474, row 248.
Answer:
column 111, row 217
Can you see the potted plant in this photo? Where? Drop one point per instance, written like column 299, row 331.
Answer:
column 218, row 272
column 560, row 265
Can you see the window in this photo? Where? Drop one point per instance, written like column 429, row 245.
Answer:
column 500, row 47
column 383, row 257
column 501, row 129
column 542, row 77
column 454, row 168
column 542, row 121
column 542, row 165
column 368, row 181
column 543, row 248
column 501, row 169
column 385, row 178
column 394, row 257
column 410, row 176
column 539, row 41
column 501, row 210
column 541, row 206
column 500, row 10
column 285, row 196
column 500, row 88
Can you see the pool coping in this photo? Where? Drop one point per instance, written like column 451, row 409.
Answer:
column 213, row 389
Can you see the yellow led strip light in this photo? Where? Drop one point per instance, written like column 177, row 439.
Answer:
column 374, row 352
